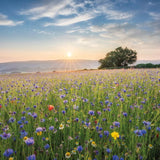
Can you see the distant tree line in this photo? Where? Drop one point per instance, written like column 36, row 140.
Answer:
column 147, row 65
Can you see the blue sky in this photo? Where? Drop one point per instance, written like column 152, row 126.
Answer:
column 49, row 29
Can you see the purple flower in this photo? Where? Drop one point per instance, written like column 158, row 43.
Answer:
column 23, row 118
column 29, row 141
column 5, row 135
column 115, row 157
column 23, row 133
column 140, row 132
column 158, row 129
column 106, row 133
column 64, row 112
column 98, row 112
column 31, row 157
column 19, row 122
column 146, row 123
column 79, row 148
column 108, row 150
column 100, row 135
column 46, row 146
column 143, row 131
column 91, row 112
column 39, row 129
column 34, row 115
column 65, row 101
column 62, row 96
column 116, row 124
column 125, row 114
column 11, row 120
column 51, row 128
column 8, row 152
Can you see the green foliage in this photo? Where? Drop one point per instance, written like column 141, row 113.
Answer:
column 118, row 58
column 147, row 65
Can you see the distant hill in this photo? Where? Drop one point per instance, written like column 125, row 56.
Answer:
column 47, row 66
column 54, row 65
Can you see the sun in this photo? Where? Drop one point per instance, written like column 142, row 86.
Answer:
column 69, row 54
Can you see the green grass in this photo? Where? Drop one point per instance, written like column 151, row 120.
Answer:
column 109, row 93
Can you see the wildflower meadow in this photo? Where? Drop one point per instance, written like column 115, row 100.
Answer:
column 90, row 115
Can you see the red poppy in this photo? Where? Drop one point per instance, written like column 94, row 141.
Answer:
column 95, row 122
column 157, row 135
column 0, row 106
column 50, row 107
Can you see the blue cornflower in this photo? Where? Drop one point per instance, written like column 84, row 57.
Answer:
column 23, row 118
column 34, row 115
column 65, row 101
column 11, row 120
column 125, row 114
column 108, row 150
column 51, row 128
column 39, row 129
column 5, row 135
column 146, row 123
column 31, row 157
column 21, row 126
column 116, row 124
column 100, row 128
column 91, row 112
column 106, row 133
column 100, row 135
column 62, row 96
column 79, row 148
column 23, row 133
column 8, row 152
column 77, row 119
column 19, row 122
column 25, row 122
column 143, row 131
column 64, row 112
column 106, row 102
column 46, row 146
column 115, row 157
column 158, row 129
column 29, row 141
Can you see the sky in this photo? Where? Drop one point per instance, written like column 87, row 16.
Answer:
column 87, row 29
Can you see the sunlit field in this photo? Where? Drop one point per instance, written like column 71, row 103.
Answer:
column 90, row 115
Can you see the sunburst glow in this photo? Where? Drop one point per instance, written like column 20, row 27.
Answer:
column 69, row 54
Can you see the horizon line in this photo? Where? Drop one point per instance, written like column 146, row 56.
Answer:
column 18, row 61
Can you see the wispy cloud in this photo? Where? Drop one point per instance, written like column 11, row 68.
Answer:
column 117, row 15
column 69, row 21
column 74, row 12
column 49, row 10
column 43, row 32
column 4, row 21
column 155, row 16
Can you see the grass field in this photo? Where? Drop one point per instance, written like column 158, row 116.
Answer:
column 90, row 115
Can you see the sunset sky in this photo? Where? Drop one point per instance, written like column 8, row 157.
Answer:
column 88, row 29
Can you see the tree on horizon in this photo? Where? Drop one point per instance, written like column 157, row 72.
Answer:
column 120, row 57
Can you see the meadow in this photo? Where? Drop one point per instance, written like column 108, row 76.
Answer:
column 90, row 115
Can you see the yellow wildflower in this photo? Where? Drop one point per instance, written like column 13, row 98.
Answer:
column 115, row 135
column 25, row 138
column 93, row 144
column 150, row 146
column 61, row 126
column 47, row 138
column 39, row 133
column 11, row 158
column 68, row 155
